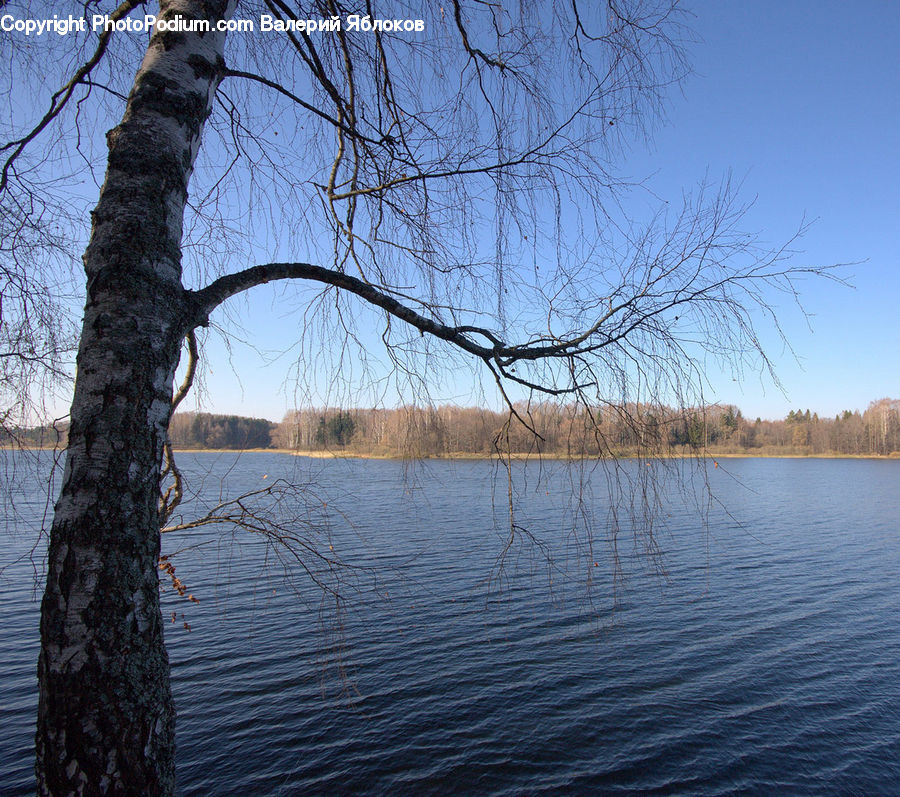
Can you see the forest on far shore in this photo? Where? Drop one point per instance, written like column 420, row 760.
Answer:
column 558, row 430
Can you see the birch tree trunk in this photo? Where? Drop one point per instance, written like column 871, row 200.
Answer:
column 106, row 720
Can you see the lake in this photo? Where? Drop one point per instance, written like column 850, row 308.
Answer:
column 753, row 647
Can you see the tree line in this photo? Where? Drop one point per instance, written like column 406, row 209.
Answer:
column 579, row 431
column 558, row 430
column 188, row 430
column 205, row 430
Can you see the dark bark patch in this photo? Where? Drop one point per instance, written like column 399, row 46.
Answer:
column 202, row 67
column 171, row 39
column 168, row 98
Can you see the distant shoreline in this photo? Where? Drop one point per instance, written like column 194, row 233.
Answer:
column 564, row 457
column 464, row 455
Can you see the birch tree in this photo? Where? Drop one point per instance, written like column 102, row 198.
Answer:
column 446, row 173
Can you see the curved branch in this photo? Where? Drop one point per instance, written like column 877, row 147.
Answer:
column 193, row 357
column 207, row 299
column 695, row 269
column 501, row 353
column 173, row 495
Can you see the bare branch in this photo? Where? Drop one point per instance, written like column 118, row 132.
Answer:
column 61, row 98
column 280, row 513
column 174, row 493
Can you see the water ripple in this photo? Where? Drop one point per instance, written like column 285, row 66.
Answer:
column 767, row 659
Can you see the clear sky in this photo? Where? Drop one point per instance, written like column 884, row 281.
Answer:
column 800, row 101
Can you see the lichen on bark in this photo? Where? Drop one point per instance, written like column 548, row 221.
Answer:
column 106, row 720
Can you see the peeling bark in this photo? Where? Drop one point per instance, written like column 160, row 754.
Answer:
column 106, row 719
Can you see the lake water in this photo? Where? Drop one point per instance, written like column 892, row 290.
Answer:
column 757, row 652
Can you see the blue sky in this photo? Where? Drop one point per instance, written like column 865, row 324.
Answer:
column 800, row 103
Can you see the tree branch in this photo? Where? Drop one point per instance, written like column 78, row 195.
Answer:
column 173, row 495
column 350, row 131
column 501, row 353
column 62, row 97
column 207, row 299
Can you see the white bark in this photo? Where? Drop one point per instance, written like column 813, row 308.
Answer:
column 105, row 717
